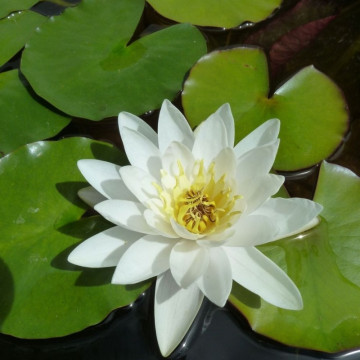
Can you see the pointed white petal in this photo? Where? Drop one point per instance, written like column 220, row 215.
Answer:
column 133, row 122
column 188, row 261
column 265, row 134
column 253, row 230
column 141, row 152
column 175, row 311
column 256, row 162
column 105, row 178
column 290, row 215
column 256, row 272
column 145, row 258
column 103, row 249
column 140, row 183
column 173, row 127
column 225, row 163
column 173, row 154
column 210, row 139
column 225, row 115
column 127, row 214
column 260, row 189
column 161, row 226
column 184, row 233
column 90, row 196
column 217, row 280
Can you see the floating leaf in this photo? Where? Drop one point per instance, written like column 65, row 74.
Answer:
column 331, row 315
column 9, row 6
column 226, row 13
column 44, row 295
column 22, row 118
column 15, row 30
column 310, row 106
column 81, row 61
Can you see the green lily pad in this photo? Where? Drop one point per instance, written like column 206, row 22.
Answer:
column 85, row 52
column 226, row 13
column 44, row 295
column 320, row 263
column 311, row 108
column 9, row 6
column 22, row 118
column 15, row 30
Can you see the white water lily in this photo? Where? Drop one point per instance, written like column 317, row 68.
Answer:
column 190, row 210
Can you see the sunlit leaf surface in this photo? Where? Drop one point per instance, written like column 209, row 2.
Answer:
column 308, row 104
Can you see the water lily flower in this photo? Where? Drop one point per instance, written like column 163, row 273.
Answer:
column 190, row 210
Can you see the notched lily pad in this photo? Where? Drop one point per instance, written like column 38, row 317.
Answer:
column 22, row 118
column 15, row 30
column 226, row 13
column 319, row 263
column 311, row 108
column 43, row 295
column 85, row 52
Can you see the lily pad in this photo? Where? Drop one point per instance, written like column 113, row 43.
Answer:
column 22, row 118
column 320, row 263
column 311, row 108
column 44, row 295
column 15, row 30
column 9, row 6
column 226, row 13
column 86, row 52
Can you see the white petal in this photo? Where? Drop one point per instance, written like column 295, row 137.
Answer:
column 175, row 311
column 90, row 196
column 265, row 134
column 103, row 249
column 260, row 189
column 253, row 230
column 133, row 122
column 256, row 272
column 105, row 178
column 188, row 261
column 184, row 233
column 173, row 127
column 161, row 226
column 141, row 152
column 145, row 258
column 256, row 162
column 290, row 215
column 224, row 115
column 225, row 163
column 128, row 214
column 140, row 183
column 174, row 153
column 217, row 280
column 210, row 139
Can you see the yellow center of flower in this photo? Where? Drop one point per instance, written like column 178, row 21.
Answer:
column 199, row 202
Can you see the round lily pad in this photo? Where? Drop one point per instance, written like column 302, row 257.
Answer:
column 82, row 62
column 311, row 108
column 22, row 118
column 15, row 30
column 43, row 295
column 9, row 6
column 226, row 13
column 320, row 263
